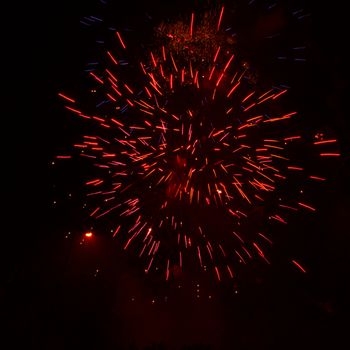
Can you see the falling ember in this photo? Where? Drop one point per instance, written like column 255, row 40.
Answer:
column 63, row 157
column 330, row 154
column 217, row 273
column 112, row 58
column 307, row 206
column 183, row 153
column 191, row 25
column 66, row 97
column 298, row 266
column 121, row 40
column 220, row 18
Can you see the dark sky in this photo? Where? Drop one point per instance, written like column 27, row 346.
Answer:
column 53, row 298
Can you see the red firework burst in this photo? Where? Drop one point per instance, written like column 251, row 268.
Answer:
column 190, row 153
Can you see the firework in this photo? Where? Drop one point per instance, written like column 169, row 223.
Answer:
column 190, row 152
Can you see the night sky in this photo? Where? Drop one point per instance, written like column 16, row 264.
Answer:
column 61, row 293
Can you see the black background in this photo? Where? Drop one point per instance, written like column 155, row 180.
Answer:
column 51, row 298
